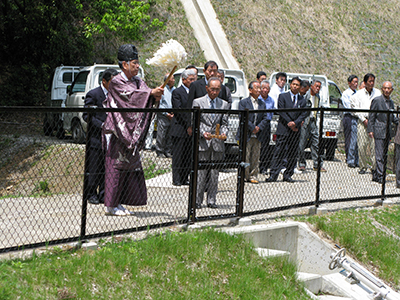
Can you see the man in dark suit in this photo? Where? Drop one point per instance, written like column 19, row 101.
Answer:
column 181, row 143
column 211, row 148
column 221, row 76
column 258, row 121
column 377, row 123
column 198, row 88
column 95, row 155
column 309, row 130
column 288, row 132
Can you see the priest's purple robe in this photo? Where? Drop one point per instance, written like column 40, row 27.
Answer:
column 124, row 135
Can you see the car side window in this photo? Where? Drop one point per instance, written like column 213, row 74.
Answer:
column 80, row 82
column 230, row 82
column 334, row 96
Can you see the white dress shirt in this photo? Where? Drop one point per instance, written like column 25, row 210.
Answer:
column 275, row 92
column 346, row 97
column 362, row 100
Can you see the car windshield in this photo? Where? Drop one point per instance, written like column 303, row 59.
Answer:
column 80, row 82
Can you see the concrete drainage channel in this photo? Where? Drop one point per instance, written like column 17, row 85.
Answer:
column 326, row 272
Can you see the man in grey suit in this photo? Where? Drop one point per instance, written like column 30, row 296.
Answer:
column 211, row 148
column 377, row 123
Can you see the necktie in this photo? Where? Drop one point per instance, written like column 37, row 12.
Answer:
column 212, row 106
column 294, row 101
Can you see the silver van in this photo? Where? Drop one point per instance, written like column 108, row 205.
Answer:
column 63, row 76
column 87, row 79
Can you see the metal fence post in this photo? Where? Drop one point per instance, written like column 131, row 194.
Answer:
column 195, row 164
column 86, row 177
column 385, row 152
column 242, row 162
column 320, row 154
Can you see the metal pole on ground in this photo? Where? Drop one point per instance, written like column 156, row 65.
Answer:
column 86, row 178
column 195, row 164
column 320, row 153
column 242, row 162
column 385, row 152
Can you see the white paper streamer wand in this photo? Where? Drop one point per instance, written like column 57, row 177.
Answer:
column 170, row 55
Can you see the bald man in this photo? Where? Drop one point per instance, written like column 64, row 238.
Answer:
column 377, row 123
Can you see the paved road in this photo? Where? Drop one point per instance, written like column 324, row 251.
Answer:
column 29, row 220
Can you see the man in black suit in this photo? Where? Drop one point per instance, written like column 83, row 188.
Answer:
column 198, row 88
column 377, row 123
column 181, row 143
column 258, row 122
column 288, row 132
column 221, row 76
column 95, row 153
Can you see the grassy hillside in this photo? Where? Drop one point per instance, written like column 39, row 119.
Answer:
column 172, row 13
column 337, row 38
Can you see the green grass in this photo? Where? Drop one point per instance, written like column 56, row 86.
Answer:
column 372, row 236
column 191, row 265
column 151, row 171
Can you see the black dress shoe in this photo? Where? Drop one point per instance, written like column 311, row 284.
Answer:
column 187, row 182
column 351, row 166
column 378, row 180
column 270, row 179
column 176, row 183
column 289, row 180
column 212, row 205
column 362, row 171
column 168, row 154
column 93, row 200
column 198, row 206
column 162, row 155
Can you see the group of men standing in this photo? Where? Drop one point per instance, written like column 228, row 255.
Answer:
column 366, row 135
column 294, row 127
column 117, row 138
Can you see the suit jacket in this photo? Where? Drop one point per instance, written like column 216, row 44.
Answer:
column 377, row 121
column 180, row 121
column 198, row 89
column 208, row 123
column 285, row 101
column 261, row 122
column 95, row 97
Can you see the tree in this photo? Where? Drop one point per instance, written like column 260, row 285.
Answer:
column 36, row 36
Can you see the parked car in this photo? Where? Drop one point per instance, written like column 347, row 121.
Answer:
column 87, row 79
column 62, row 77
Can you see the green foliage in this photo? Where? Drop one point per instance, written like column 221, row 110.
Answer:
column 128, row 20
column 37, row 36
column 190, row 265
column 150, row 170
column 41, row 188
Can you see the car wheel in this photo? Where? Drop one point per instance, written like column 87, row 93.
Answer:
column 60, row 130
column 78, row 135
column 47, row 129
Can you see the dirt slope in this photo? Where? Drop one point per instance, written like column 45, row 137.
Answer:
column 336, row 38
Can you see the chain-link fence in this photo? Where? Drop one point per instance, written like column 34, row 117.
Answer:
column 56, row 181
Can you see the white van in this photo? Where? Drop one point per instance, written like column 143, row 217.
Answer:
column 62, row 77
column 87, row 79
